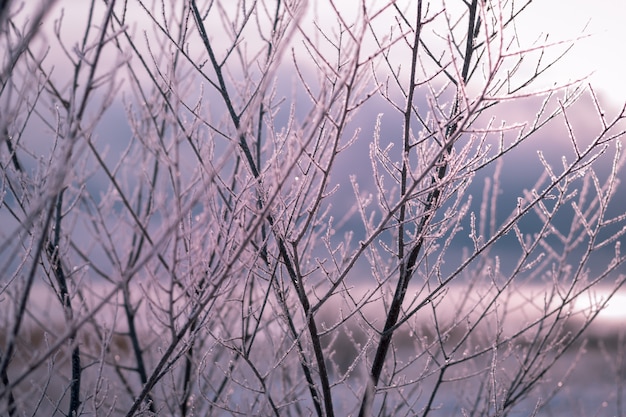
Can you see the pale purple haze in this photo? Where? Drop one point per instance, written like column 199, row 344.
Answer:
column 154, row 178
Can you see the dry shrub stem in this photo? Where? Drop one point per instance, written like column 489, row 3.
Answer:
column 176, row 235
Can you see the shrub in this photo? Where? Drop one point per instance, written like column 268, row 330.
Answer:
column 282, row 208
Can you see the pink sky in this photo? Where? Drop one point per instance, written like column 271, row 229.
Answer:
column 602, row 53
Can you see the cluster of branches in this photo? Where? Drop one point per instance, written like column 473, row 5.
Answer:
column 192, row 224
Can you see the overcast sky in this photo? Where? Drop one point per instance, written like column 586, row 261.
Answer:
column 602, row 53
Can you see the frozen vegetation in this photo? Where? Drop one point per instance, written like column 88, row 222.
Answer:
column 292, row 208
